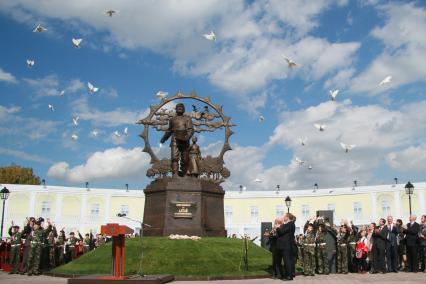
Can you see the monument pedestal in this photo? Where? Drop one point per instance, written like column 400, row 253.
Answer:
column 184, row 206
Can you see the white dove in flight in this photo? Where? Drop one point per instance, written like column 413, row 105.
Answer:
column 75, row 120
column 117, row 134
column 310, row 167
column 76, row 42
column 320, row 127
column 74, row 137
column 290, row 62
column 92, row 89
column 299, row 161
column 62, row 93
column 39, row 29
column 111, row 13
column 94, row 133
column 261, row 118
column 302, row 141
column 50, row 107
column 30, row 63
column 347, row 147
column 126, row 131
column 161, row 95
column 333, row 94
column 210, row 36
column 258, row 180
column 386, row 80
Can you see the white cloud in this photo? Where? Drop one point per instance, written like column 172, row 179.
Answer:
column 404, row 55
column 104, row 165
column 24, row 155
column 46, row 86
column 116, row 117
column 411, row 159
column 7, row 77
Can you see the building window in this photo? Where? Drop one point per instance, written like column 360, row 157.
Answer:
column 228, row 214
column 386, row 210
column 124, row 209
column 254, row 213
column 305, row 211
column 357, row 210
column 279, row 210
column 94, row 211
column 45, row 209
column 331, row 207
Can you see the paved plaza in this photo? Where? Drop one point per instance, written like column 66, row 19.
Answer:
column 406, row 278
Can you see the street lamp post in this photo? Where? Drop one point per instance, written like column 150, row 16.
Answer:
column 288, row 203
column 409, row 189
column 278, row 189
column 4, row 195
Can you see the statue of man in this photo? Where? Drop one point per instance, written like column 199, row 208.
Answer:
column 181, row 131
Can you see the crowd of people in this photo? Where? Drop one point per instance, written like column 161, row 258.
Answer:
column 325, row 248
column 39, row 246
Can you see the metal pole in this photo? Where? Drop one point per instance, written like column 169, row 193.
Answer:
column 2, row 220
column 409, row 201
column 288, row 209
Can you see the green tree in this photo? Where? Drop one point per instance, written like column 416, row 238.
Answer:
column 15, row 174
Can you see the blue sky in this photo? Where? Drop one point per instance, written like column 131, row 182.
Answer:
column 151, row 45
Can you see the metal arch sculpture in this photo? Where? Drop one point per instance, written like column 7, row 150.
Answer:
column 158, row 110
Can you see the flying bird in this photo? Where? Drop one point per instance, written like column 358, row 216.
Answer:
column 50, row 107
column 386, row 80
column 161, row 95
column 290, row 62
column 39, row 29
column 92, row 89
column 320, row 127
column 74, row 137
column 117, row 134
column 302, row 141
column 347, row 147
column 210, row 36
column 30, row 63
column 76, row 42
column 333, row 94
column 261, row 118
column 126, row 131
column 299, row 161
column 75, row 120
column 111, row 13
column 258, row 180
column 94, row 133
column 310, row 167
column 62, row 93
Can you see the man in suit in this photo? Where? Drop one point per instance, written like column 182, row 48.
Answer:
column 392, row 245
column 285, row 239
column 412, row 236
column 380, row 238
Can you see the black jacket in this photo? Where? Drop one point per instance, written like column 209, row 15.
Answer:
column 381, row 238
column 285, row 237
column 412, row 234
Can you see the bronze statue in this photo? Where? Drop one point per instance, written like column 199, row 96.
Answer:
column 194, row 158
column 181, row 131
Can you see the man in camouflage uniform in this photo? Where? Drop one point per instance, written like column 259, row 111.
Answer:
column 37, row 238
column 353, row 236
column 15, row 248
column 72, row 245
column 322, row 250
column 342, row 250
column 309, row 252
column 51, row 244
column 26, row 232
column 87, row 241
column 60, row 244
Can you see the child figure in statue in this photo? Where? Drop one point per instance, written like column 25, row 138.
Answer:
column 194, row 158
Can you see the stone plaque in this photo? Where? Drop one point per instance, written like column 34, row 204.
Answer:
column 183, row 209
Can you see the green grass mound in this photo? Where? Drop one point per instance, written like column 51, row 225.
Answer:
column 208, row 257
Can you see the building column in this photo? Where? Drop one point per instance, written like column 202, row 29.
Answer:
column 31, row 210
column 107, row 207
column 83, row 206
column 373, row 200
column 397, row 201
column 421, row 201
column 58, row 211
